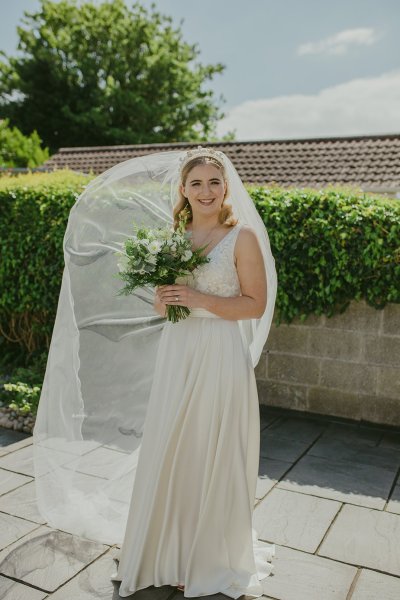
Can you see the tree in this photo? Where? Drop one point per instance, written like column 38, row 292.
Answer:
column 18, row 150
column 94, row 74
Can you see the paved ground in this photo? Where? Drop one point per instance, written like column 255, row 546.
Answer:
column 9, row 436
column 328, row 496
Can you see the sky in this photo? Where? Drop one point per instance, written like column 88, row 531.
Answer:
column 293, row 68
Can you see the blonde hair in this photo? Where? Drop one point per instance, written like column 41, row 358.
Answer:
column 225, row 216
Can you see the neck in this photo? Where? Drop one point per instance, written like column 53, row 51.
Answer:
column 200, row 222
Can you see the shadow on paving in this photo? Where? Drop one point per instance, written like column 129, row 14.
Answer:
column 328, row 496
column 9, row 436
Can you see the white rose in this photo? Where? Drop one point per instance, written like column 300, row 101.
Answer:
column 188, row 255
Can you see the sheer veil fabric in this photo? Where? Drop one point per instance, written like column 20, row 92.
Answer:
column 100, row 366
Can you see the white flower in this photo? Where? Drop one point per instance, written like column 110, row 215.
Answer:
column 151, row 259
column 154, row 247
column 187, row 255
column 173, row 247
column 145, row 241
column 166, row 234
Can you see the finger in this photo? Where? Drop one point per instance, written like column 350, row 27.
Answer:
column 174, row 287
column 171, row 295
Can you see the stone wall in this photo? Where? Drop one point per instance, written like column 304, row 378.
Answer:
column 345, row 366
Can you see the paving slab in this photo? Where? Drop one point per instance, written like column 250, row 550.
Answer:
column 21, row 502
column 394, row 503
column 16, row 446
column 47, row 558
column 13, row 528
column 302, row 576
column 273, row 445
column 304, row 430
column 94, row 583
column 372, row 585
column 10, row 481
column 10, row 436
column 365, row 537
column 355, row 451
column 342, row 480
column 94, row 462
column 357, row 433
column 391, row 440
column 266, row 421
column 295, row 520
column 21, row 461
column 270, row 472
column 14, row 590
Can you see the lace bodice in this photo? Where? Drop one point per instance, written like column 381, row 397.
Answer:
column 219, row 275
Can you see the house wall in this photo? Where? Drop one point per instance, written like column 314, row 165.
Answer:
column 346, row 365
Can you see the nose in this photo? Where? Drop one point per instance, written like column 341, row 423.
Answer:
column 205, row 188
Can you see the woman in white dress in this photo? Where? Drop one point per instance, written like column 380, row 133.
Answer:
column 147, row 432
column 190, row 518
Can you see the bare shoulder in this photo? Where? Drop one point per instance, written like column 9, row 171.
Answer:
column 247, row 238
column 247, row 232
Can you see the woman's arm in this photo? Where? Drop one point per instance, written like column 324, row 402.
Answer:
column 253, row 284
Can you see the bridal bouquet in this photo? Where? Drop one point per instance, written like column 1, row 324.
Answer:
column 158, row 257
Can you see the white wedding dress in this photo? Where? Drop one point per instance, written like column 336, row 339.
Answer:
column 190, row 517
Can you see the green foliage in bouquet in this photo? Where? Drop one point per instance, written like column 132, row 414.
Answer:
column 156, row 257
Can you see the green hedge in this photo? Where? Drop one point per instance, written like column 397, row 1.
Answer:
column 330, row 247
column 34, row 211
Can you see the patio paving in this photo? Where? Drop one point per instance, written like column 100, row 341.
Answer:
column 328, row 496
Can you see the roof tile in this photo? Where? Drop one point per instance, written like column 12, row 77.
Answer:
column 363, row 160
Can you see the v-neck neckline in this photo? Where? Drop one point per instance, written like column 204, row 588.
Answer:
column 220, row 241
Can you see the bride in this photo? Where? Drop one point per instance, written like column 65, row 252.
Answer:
column 190, row 524
column 166, row 458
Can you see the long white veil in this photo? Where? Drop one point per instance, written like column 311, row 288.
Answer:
column 100, row 364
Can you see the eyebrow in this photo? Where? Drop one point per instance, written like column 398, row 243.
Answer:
column 212, row 179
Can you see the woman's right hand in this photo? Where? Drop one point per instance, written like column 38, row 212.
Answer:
column 159, row 306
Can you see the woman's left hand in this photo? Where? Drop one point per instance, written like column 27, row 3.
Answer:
column 187, row 296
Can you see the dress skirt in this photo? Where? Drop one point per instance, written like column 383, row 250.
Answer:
column 190, row 517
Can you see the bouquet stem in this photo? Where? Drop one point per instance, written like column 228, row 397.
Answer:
column 176, row 313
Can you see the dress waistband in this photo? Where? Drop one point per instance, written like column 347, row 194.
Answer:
column 202, row 312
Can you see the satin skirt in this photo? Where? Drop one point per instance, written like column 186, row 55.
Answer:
column 190, row 517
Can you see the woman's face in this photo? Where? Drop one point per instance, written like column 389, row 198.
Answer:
column 205, row 189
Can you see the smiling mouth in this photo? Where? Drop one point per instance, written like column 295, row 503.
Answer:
column 206, row 202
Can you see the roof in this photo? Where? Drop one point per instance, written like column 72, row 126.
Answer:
column 371, row 162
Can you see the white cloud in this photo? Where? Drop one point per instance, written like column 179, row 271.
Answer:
column 361, row 106
column 341, row 42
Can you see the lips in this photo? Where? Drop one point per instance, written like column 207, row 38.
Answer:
column 206, row 202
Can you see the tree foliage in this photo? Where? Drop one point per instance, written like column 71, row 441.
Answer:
column 19, row 150
column 104, row 74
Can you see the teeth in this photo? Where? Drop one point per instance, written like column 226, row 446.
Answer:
column 206, row 201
